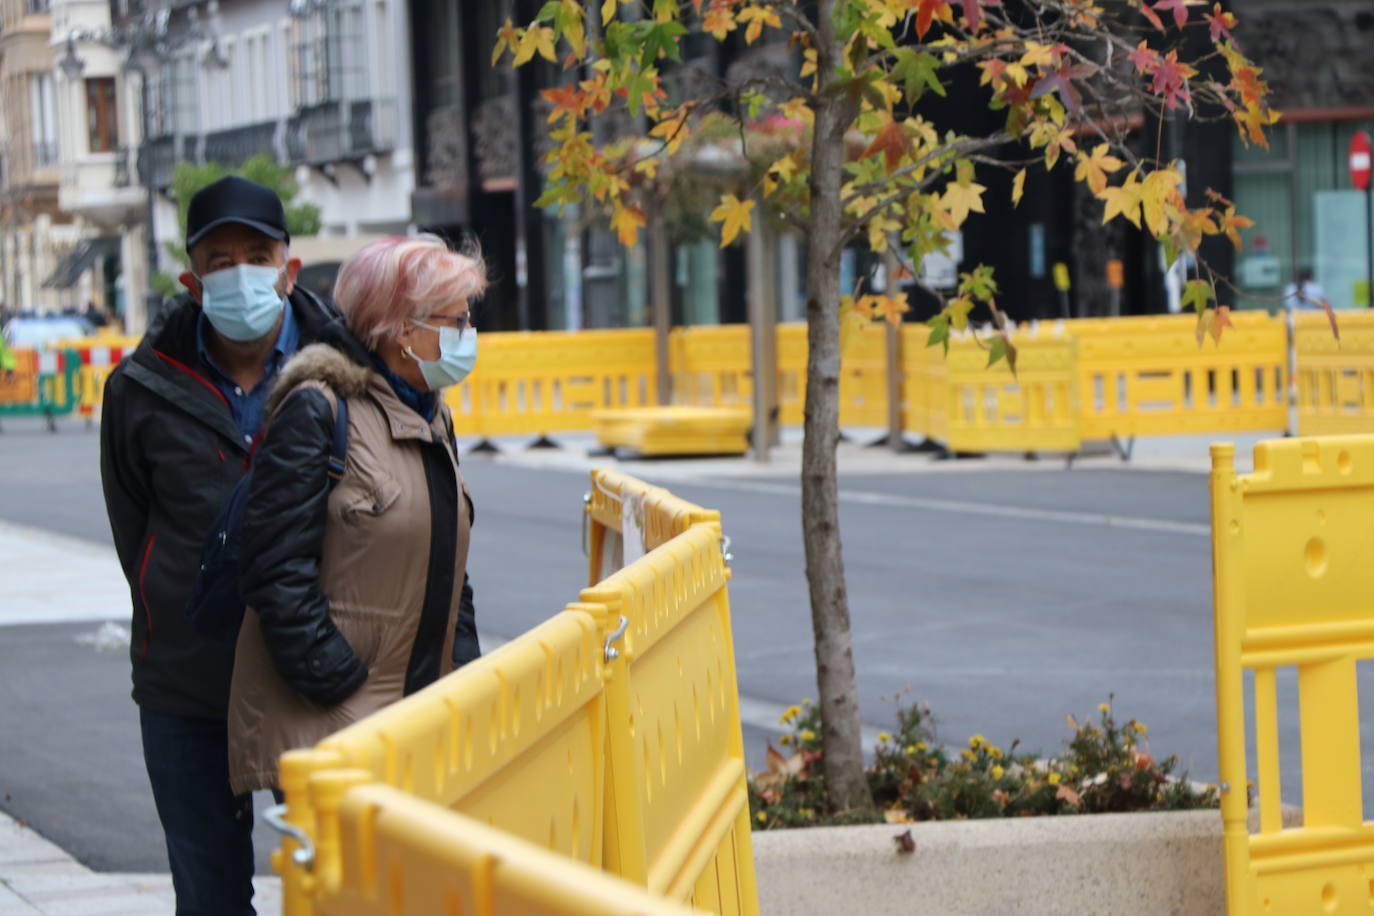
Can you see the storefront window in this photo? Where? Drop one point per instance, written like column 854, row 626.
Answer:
column 1307, row 214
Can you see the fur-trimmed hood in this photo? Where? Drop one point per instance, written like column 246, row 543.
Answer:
column 320, row 362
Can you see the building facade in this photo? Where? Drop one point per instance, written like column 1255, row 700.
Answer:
column 34, row 233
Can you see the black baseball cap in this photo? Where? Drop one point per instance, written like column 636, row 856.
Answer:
column 236, row 200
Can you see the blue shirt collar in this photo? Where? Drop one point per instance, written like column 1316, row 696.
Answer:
column 288, row 340
column 425, row 403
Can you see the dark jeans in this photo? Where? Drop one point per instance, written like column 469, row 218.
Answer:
column 209, row 830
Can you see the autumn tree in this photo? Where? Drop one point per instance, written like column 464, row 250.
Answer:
column 1069, row 79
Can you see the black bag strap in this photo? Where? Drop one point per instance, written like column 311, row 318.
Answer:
column 338, row 449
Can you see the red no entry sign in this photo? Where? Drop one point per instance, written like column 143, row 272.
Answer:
column 1359, row 160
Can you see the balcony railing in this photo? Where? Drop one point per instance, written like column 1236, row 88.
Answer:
column 121, row 168
column 337, row 131
column 157, row 162
column 232, row 147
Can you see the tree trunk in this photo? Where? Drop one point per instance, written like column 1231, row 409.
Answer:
column 840, row 735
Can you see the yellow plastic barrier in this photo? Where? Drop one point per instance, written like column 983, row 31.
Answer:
column 1148, row 376
column 1335, row 377
column 992, row 410
column 677, row 774
column 609, row 735
column 925, row 385
column 712, row 366
column 547, row 382
column 1293, row 587
column 420, row 861
column 23, row 387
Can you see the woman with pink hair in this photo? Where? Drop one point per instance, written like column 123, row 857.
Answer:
column 353, row 573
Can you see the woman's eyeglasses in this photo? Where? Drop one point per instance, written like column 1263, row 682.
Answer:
column 461, row 322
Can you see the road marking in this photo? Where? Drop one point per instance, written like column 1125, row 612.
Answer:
column 962, row 507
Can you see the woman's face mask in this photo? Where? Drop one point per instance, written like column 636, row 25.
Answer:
column 242, row 302
column 457, row 355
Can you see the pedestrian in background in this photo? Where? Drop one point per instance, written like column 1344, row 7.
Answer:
column 177, row 423
column 1306, row 293
column 353, row 593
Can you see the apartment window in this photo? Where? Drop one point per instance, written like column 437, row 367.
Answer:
column 43, row 120
column 38, row 6
column 102, row 122
column 329, row 55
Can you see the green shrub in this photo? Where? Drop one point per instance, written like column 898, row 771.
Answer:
column 1105, row 766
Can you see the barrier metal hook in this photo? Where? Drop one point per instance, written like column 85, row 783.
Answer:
column 305, row 855
column 586, row 515
column 611, row 653
column 725, row 549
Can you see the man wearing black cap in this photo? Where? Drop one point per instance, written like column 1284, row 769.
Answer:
column 178, row 421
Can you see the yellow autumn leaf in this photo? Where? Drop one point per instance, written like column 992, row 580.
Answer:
column 507, row 37
column 1155, row 191
column 808, row 62
column 758, row 17
column 627, row 222
column 607, row 12
column 963, row 196
column 1094, row 168
column 1122, row 201
column 647, row 167
column 798, row 110
column 1037, row 55
column 735, row 215
column 536, row 39
column 1018, row 187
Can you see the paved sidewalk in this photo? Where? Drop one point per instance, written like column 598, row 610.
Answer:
column 38, row 877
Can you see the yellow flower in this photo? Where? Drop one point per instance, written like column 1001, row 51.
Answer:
column 807, row 701
column 1054, row 779
column 922, row 746
column 967, row 754
column 910, row 750
column 884, row 737
column 1103, row 708
column 976, row 741
column 791, row 713
column 785, row 740
column 1139, row 727
column 998, row 772
column 806, row 813
column 808, row 735
column 994, row 752
column 762, row 817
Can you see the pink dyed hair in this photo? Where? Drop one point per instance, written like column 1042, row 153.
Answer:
column 398, row 278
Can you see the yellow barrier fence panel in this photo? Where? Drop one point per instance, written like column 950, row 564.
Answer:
column 1335, row 375
column 23, row 387
column 1149, row 376
column 676, row 760
column 661, row 516
column 551, row 381
column 712, row 365
column 100, row 354
column 516, row 738
column 1294, row 589
column 925, row 385
column 993, row 410
column 400, row 856
column 863, row 376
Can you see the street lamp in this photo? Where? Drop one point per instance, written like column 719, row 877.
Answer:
column 147, row 47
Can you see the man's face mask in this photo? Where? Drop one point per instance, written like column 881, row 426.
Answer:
column 457, row 356
column 242, row 302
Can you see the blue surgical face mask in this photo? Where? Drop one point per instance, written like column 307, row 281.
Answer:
column 242, row 302
column 457, row 356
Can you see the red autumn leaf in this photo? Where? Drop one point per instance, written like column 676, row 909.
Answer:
column 1151, row 15
column 1220, row 23
column 1331, row 317
column 1179, row 7
column 905, row 844
column 1221, row 322
column 892, row 142
column 973, row 14
column 1171, row 81
column 926, row 13
column 1145, row 58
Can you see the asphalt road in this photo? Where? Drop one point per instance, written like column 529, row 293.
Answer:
column 1004, row 598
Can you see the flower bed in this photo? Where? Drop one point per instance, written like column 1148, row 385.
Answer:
column 1105, row 767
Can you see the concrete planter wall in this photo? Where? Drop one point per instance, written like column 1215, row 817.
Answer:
column 1130, row 864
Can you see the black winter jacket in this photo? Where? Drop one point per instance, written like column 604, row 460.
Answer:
column 170, row 452
column 283, row 537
